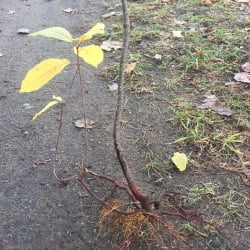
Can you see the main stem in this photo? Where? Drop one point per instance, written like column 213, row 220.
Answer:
column 143, row 199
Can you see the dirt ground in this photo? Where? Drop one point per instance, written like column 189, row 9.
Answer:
column 37, row 211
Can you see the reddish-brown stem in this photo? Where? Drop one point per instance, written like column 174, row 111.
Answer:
column 143, row 199
column 106, row 204
column 117, row 185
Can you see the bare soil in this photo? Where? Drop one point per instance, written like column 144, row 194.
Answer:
column 37, row 211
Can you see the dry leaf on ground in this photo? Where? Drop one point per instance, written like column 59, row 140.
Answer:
column 108, row 15
column 212, row 102
column 157, row 57
column 233, row 84
column 246, row 67
column 242, row 77
column 177, row 34
column 82, row 124
column 130, row 68
column 242, row 1
column 109, row 45
column 179, row 22
column 206, row 2
column 168, row 1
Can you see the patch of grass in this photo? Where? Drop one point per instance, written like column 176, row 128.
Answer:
column 149, row 12
column 114, row 31
column 201, row 55
column 215, row 43
column 192, row 229
column 203, row 130
column 111, row 72
column 193, row 124
column 228, row 202
column 153, row 165
column 196, row 193
column 210, row 133
column 208, row 55
column 228, row 142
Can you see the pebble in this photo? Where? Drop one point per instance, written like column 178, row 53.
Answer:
column 23, row 31
column 113, row 87
column 27, row 106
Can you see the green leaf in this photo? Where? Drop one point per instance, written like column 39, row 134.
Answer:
column 57, row 99
column 41, row 73
column 97, row 29
column 91, row 54
column 180, row 160
column 55, row 32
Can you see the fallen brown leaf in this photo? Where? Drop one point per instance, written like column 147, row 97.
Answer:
column 242, row 77
column 177, row 34
column 233, row 84
column 130, row 68
column 109, row 45
column 179, row 22
column 212, row 102
column 206, row 2
column 108, row 15
column 246, row 67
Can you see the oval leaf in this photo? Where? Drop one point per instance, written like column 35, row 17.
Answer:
column 41, row 73
column 57, row 99
column 180, row 160
column 55, row 32
column 96, row 30
column 91, row 54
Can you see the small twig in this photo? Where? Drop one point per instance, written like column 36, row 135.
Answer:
column 56, row 153
column 60, row 131
column 117, row 185
column 101, row 200
column 85, row 155
column 92, row 193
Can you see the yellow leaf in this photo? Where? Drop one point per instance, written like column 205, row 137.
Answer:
column 41, row 73
column 180, row 160
column 96, row 30
column 55, row 32
column 91, row 54
column 57, row 99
